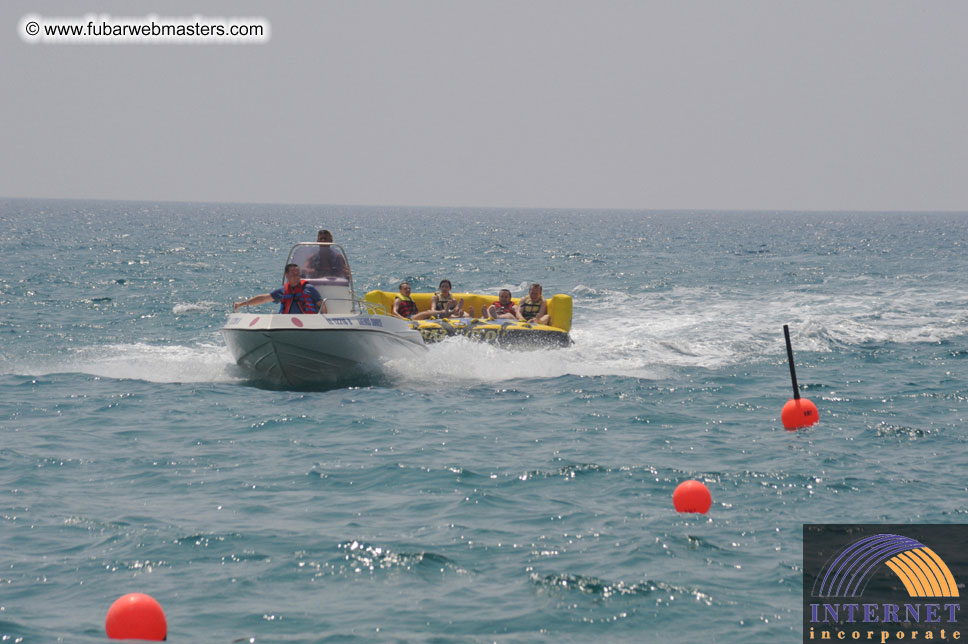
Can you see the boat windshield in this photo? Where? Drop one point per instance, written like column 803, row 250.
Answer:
column 321, row 260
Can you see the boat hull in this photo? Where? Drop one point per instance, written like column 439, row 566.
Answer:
column 306, row 350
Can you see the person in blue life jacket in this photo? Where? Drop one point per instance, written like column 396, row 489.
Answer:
column 404, row 306
column 534, row 308
column 295, row 296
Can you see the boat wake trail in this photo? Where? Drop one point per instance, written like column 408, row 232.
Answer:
column 462, row 360
column 151, row 363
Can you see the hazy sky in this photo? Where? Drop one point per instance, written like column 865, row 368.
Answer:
column 718, row 104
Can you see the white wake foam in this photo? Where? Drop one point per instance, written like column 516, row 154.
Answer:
column 186, row 308
column 466, row 361
column 703, row 327
column 139, row 361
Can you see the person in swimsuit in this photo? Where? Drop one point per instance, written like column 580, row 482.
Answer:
column 534, row 308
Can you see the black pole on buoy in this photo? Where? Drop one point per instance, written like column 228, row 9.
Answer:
column 793, row 369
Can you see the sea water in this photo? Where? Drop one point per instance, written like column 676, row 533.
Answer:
column 473, row 494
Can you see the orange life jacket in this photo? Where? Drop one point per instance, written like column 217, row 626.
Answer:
column 300, row 295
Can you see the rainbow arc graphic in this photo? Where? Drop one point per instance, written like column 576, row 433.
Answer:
column 919, row 568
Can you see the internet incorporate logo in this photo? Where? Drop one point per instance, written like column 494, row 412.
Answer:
column 880, row 583
column 919, row 568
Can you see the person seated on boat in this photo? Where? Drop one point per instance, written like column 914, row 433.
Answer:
column 296, row 296
column 404, row 306
column 327, row 261
column 533, row 308
column 444, row 305
column 502, row 309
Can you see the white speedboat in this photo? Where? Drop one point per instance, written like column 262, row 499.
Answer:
column 353, row 338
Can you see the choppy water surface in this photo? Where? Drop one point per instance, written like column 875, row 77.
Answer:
column 474, row 495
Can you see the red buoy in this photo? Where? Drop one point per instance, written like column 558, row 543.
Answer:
column 136, row 616
column 798, row 412
column 692, row 496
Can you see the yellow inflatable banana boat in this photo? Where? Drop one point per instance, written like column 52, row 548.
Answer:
column 502, row 332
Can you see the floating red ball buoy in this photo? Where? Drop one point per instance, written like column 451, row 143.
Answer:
column 692, row 496
column 136, row 616
column 799, row 412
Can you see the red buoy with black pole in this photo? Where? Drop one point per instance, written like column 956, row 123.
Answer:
column 797, row 412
